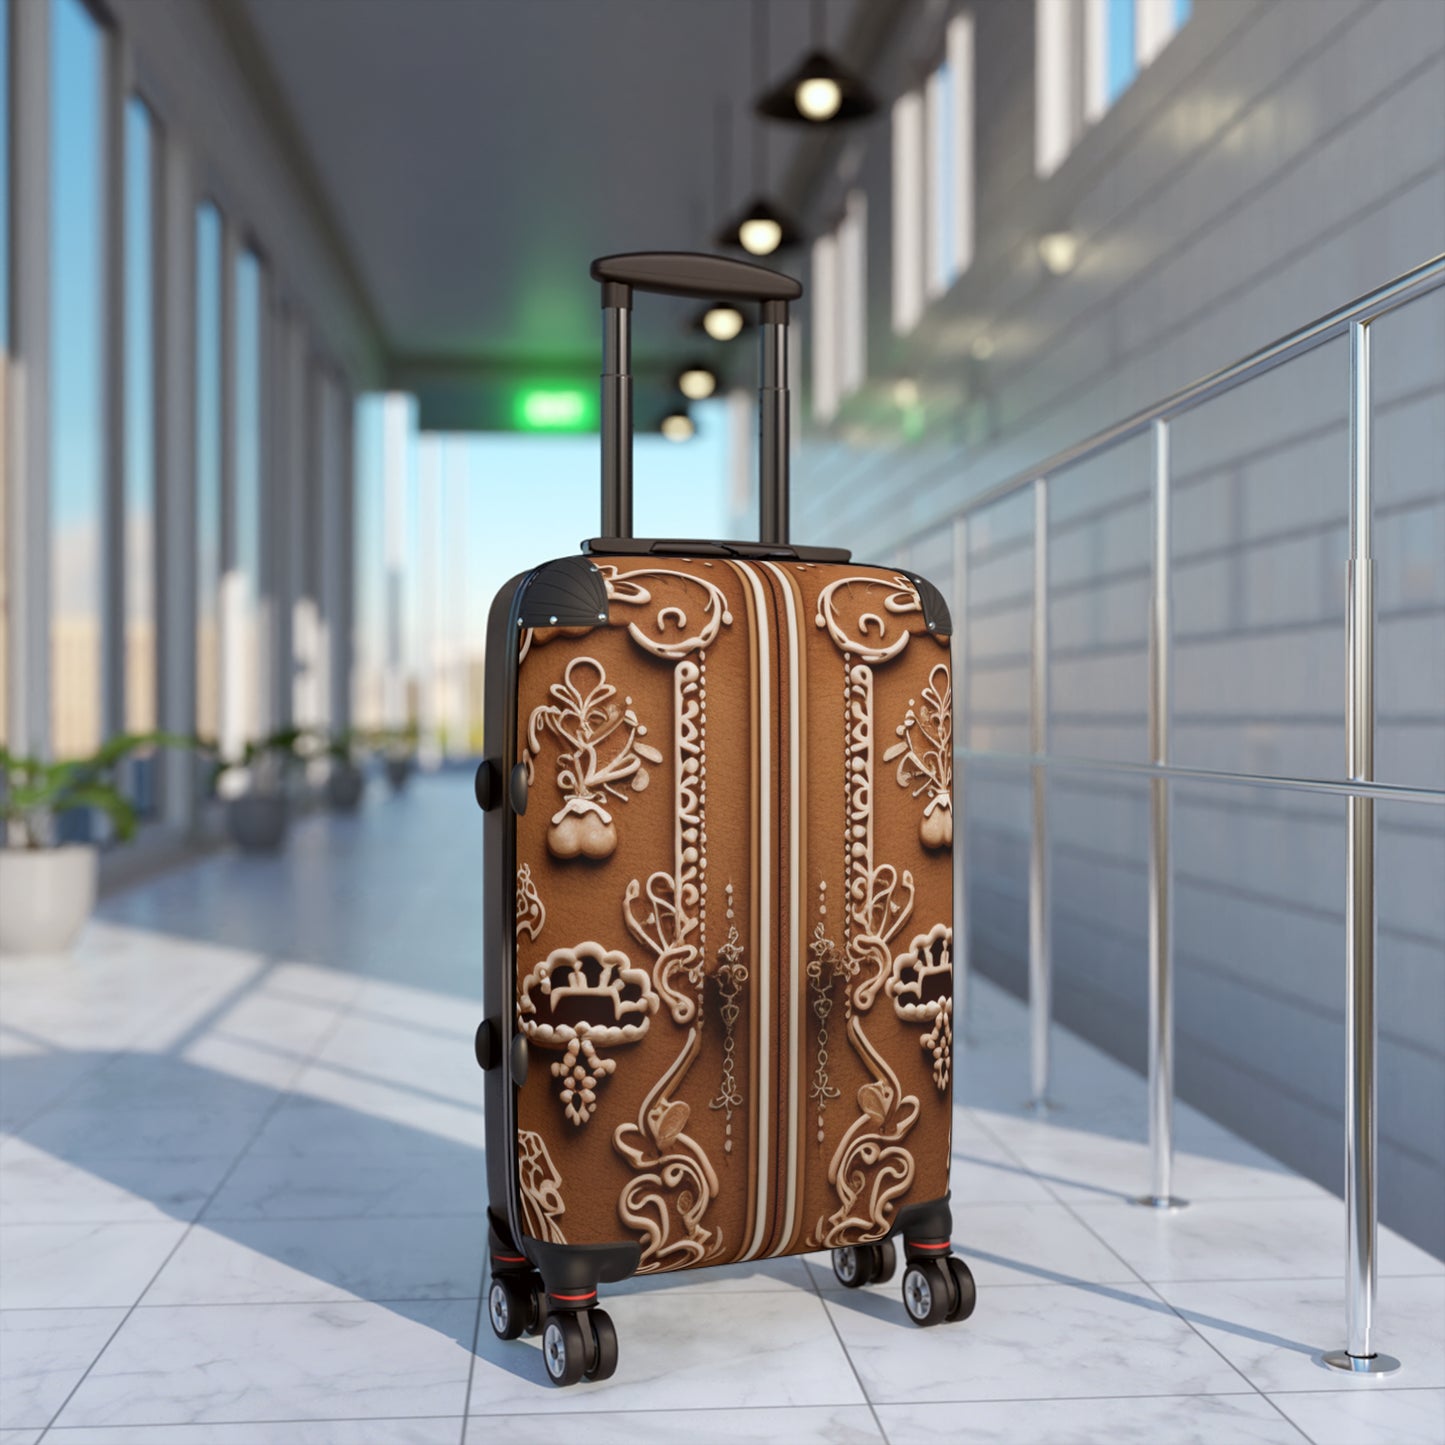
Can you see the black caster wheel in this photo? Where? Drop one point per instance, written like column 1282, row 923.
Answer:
column 927, row 1292
column 509, row 1306
column 537, row 1315
column 852, row 1265
column 858, row 1264
column 563, row 1350
column 885, row 1261
column 965, row 1291
column 603, row 1362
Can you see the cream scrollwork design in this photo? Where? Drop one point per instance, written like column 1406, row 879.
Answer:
column 530, row 910
column 541, row 1189
column 601, row 755
column 920, row 984
column 673, row 634
column 925, row 757
column 870, row 1168
column 674, row 1181
column 853, row 610
column 731, row 975
column 582, row 1000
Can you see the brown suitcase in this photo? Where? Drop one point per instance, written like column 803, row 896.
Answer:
column 719, row 897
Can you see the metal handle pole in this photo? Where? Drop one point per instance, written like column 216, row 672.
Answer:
column 960, row 805
column 773, row 423
column 1040, row 942
column 1359, row 1355
column 616, row 424
column 1161, row 877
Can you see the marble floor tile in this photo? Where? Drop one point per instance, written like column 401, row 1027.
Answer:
column 296, row 1260
column 69, row 1266
column 436, row 1064
column 20, row 1437
column 1079, row 1166
column 38, row 1188
column 1243, row 1239
column 1371, row 1417
column 43, row 1354
column 34, row 1078
column 436, row 1430
column 348, row 1105
column 1007, row 1244
column 1274, row 1331
column 177, row 1130
column 204, row 1364
column 984, row 1172
column 1148, row 1420
column 448, row 1180
column 773, row 1348
column 1029, row 1342
column 797, row 1425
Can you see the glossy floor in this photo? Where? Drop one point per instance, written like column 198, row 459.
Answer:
column 241, row 1203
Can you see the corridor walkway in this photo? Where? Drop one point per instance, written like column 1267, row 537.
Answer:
column 241, row 1197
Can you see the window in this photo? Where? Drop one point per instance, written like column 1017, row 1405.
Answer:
column 77, row 417
column 208, row 468
column 241, row 588
column 933, row 180
column 140, row 452
column 839, row 313
column 1088, row 53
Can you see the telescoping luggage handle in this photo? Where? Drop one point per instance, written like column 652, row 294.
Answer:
column 712, row 278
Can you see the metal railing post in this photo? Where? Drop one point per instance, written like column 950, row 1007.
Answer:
column 960, row 807
column 1359, row 1355
column 1161, row 874
column 1041, row 980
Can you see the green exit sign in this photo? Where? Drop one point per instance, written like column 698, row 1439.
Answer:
column 554, row 408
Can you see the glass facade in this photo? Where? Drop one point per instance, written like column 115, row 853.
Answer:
column 140, row 413
column 243, row 583
column 208, row 469
column 77, row 417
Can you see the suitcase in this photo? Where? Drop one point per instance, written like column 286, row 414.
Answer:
column 718, row 973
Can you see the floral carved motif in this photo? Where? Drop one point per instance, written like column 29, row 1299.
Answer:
column 600, row 758
column 531, row 914
column 925, row 757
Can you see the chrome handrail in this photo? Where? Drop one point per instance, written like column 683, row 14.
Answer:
column 1359, row 786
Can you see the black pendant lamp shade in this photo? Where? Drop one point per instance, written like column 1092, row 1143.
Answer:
column 760, row 229
column 819, row 91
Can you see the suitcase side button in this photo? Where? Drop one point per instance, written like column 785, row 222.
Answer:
column 519, row 1060
column 485, row 785
column 488, row 1054
column 517, row 789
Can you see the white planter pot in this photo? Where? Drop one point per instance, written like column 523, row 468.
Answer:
column 46, row 894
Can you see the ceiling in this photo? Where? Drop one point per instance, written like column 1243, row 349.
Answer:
column 475, row 155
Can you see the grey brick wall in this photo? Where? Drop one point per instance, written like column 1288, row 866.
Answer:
column 1279, row 158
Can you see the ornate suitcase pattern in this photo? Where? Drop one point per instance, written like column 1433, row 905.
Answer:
column 728, row 995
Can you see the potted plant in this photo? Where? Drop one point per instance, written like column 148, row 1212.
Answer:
column 345, row 783
column 47, row 888
column 255, row 787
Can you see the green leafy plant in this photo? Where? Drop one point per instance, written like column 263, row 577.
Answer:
column 33, row 791
column 268, row 758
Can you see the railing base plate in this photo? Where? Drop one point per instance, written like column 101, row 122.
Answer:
column 1361, row 1364
column 1164, row 1202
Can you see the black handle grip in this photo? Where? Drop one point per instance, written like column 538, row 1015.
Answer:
column 693, row 273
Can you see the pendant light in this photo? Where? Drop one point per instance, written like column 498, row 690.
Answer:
column 820, row 90
column 697, row 381
column 762, row 227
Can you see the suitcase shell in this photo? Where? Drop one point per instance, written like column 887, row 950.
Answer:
column 719, row 894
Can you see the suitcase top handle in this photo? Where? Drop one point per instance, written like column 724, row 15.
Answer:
column 691, row 273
